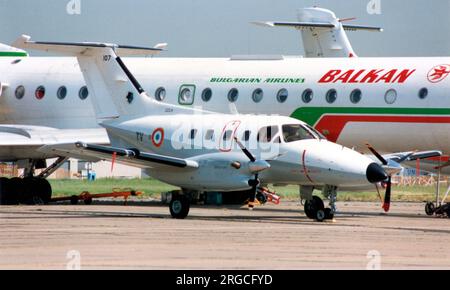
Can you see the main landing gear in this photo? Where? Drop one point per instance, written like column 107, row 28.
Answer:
column 439, row 207
column 314, row 205
column 179, row 206
column 29, row 189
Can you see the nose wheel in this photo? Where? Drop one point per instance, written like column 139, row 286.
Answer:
column 315, row 209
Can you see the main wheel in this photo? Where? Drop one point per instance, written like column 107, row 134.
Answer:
column 29, row 191
column 43, row 189
column 5, row 191
column 179, row 206
column 17, row 191
column 328, row 214
column 430, row 209
column 448, row 210
column 312, row 206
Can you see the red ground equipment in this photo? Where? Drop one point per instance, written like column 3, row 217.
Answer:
column 87, row 197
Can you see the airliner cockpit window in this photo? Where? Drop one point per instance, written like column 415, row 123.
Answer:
column 296, row 132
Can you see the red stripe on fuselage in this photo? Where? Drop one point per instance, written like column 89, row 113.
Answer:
column 334, row 124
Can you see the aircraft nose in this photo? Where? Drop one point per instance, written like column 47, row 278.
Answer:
column 375, row 173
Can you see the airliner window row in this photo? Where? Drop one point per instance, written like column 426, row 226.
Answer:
column 187, row 93
column 61, row 93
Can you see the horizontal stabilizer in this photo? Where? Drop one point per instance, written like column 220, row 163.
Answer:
column 298, row 25
column 360, row 27
column 319, row 25
column 82, row 48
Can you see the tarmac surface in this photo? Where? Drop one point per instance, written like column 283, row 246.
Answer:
column 143, row 236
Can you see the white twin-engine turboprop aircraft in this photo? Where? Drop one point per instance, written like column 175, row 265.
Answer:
column 204, row 151
column 44, row 100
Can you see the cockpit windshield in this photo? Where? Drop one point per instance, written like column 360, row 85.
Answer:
column 316, row 132
column 296, row 132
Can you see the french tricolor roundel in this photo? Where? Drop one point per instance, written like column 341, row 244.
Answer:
column 158, row 137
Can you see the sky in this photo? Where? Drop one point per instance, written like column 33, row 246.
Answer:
column 221, row 28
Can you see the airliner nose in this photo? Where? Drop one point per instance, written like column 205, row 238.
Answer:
column 375, row 173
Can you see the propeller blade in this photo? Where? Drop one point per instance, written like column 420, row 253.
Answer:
column 245, row 150
column 378, row 155
column 387, row 196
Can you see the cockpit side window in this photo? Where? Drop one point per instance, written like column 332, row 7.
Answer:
column 296, row 132
column 246, row 136
column 227, row 135
column 266, row 134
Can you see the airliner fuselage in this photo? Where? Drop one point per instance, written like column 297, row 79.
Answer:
column 396, row 104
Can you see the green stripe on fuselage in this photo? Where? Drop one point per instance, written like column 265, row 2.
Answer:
column 12, row 54
column 312, row 115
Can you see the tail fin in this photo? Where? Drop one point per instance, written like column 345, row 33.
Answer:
column 322, row 32
column 115, row 90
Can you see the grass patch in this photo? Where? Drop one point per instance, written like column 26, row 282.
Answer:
column 153, row 188
column 149, row 187
column 399, row 193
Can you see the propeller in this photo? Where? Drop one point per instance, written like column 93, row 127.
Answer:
column 245, row 150
column 377, row 155
column 387, row 196
column 256, row 166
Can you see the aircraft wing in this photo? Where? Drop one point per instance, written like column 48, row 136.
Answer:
column 22, row 142
column 96, row 152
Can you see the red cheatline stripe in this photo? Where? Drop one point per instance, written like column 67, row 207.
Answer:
column 304, row 167
column 334, row 124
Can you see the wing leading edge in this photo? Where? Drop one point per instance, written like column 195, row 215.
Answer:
column 131, row 157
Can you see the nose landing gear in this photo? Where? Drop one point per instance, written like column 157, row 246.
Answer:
column 315, row 209
column 314, row 206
